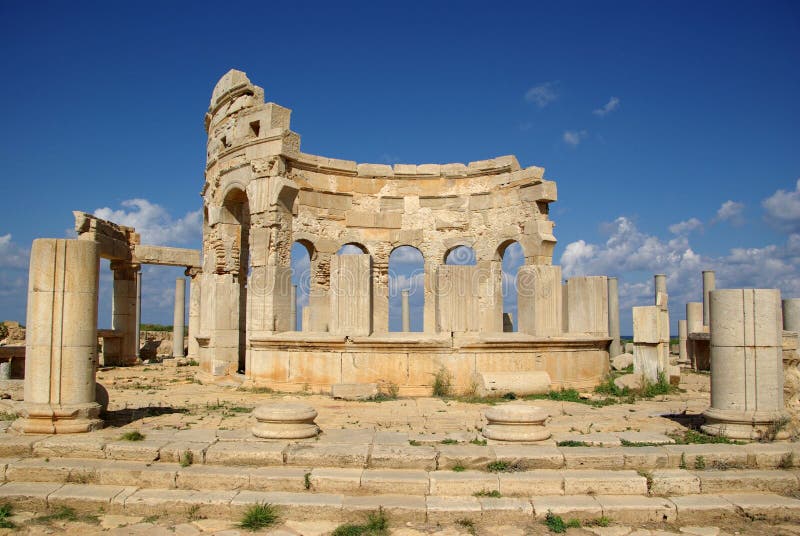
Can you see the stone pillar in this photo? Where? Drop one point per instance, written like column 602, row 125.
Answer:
column 746, row 365
column 178, row 317
column 380, row 297
column 458, row 298
column 61, row 342
column 694, row 324
column 293, row 308
column 351, row 295
column 194, row 312
column 709, row 284
column 429, row 299
column 404, row 311
column 683, row 356
column 649, row 356
column 587, row 305
column 124, row 306
column 791, row 314
column 539, row 295
column 614, row 348
column 138, row 314
column 660, row 286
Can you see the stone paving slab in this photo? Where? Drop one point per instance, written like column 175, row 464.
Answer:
column 713, row 455
column 593, row 458
column 85, row 498
column 529, row 483
column 411, row 482
column 336, row 480
column 596, row 482
column 530, row 456
column 747, row 480
column 705, row 508
column 147, row 450
column 160, row 475
column 466, row 456
column 644, row 458
column 13, row 445
column 258, row 454
column 28, row 495
column 300, row 506
column 71, row 446
column 505, row 510
column 582, row 507
column 278, row 478
column 203, row 477
column 327, row 455
column 636, row 509
column 766, row 505
column 451, row 509
column 462, row 483
column 394, row 456
column 399, row 508
column 174, row 451
column 667, row 482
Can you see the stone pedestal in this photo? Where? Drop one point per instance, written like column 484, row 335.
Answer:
column 650, row 347
column 61, row 345
column 285, row 421
column 586, row 305
column 746, row 364
column 178, row 317
column 516, row 422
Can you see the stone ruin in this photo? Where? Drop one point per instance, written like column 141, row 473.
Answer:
column 262, row 195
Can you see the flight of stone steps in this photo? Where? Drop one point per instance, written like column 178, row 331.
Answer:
column 340, row 477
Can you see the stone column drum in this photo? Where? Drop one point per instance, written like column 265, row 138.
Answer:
column 285, row 421
column 746, row 364
column 709, row 284
column 61, row 345
column 178, row 317
column 516, row 422
column 683, row 356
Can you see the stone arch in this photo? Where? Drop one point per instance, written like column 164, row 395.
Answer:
column 346, row 248
column 463, row 254
column 235, row 230
column 510, row 255
column 406, row 271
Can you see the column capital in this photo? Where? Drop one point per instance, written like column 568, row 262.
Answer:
column 193, row 271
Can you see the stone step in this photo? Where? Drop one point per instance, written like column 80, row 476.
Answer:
column 392, row 450
column 231, row 504
column 357, row 481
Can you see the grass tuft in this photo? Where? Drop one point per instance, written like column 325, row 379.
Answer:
column 443, row 383
column 557, row 524
column 377, row 525
column 259, row 516
column 133, row 435
column 5, row 513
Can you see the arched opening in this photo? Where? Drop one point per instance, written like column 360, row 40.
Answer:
column 235, row 222
column 460, row 256
column 301, row 255
column 512, row 258
column 352, row 248
column 406, row 273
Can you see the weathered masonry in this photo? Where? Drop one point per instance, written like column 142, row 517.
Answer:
column 262, row 194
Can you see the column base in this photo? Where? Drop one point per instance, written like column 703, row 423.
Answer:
column 750, row 425
column 48, row 419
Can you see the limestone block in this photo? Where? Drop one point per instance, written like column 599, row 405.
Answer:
column 646, row 325
column 529, row 456
column 449, row 509
column 539, row 300
column 622, row 361
column 498, row 384
column 667, row 482
column 401, row 508
column 354, row 391
column 530, row 483
column 403, row 457
column 461, row 483
column 327, row 455
column 285, row 421
column 594, row 482
column 248, row 453
column 384, row 481
column 629, row 381
column 582, row 507
column 351, row 294
column 457, row 298
column 587, row 305
column 791, row 314
column 516, row 422
column 635, row 509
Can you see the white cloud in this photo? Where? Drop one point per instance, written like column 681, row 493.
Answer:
column 542, row 94
column 731, row 211
column 634, row 256
column 574, row 137
column 782, row 209
column 686, row 226
column 406, row 255
column 607, row 108
column 12, row 255
column 155, row 225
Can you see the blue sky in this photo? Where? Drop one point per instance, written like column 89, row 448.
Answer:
column 671, row 128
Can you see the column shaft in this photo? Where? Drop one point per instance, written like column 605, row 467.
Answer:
column 179, row 317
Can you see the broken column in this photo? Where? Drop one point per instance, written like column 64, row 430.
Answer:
column 660, row 285
column 683, row 356
column 61, row 339
column 746, row 365
column 194, row 312
column 404, row 310
column 124, row 305
column 649, row 352
column 791, row 314
column 697, row 337
column 178, row 317
column 709, row 284
column 614, row 348
column 539, row 306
